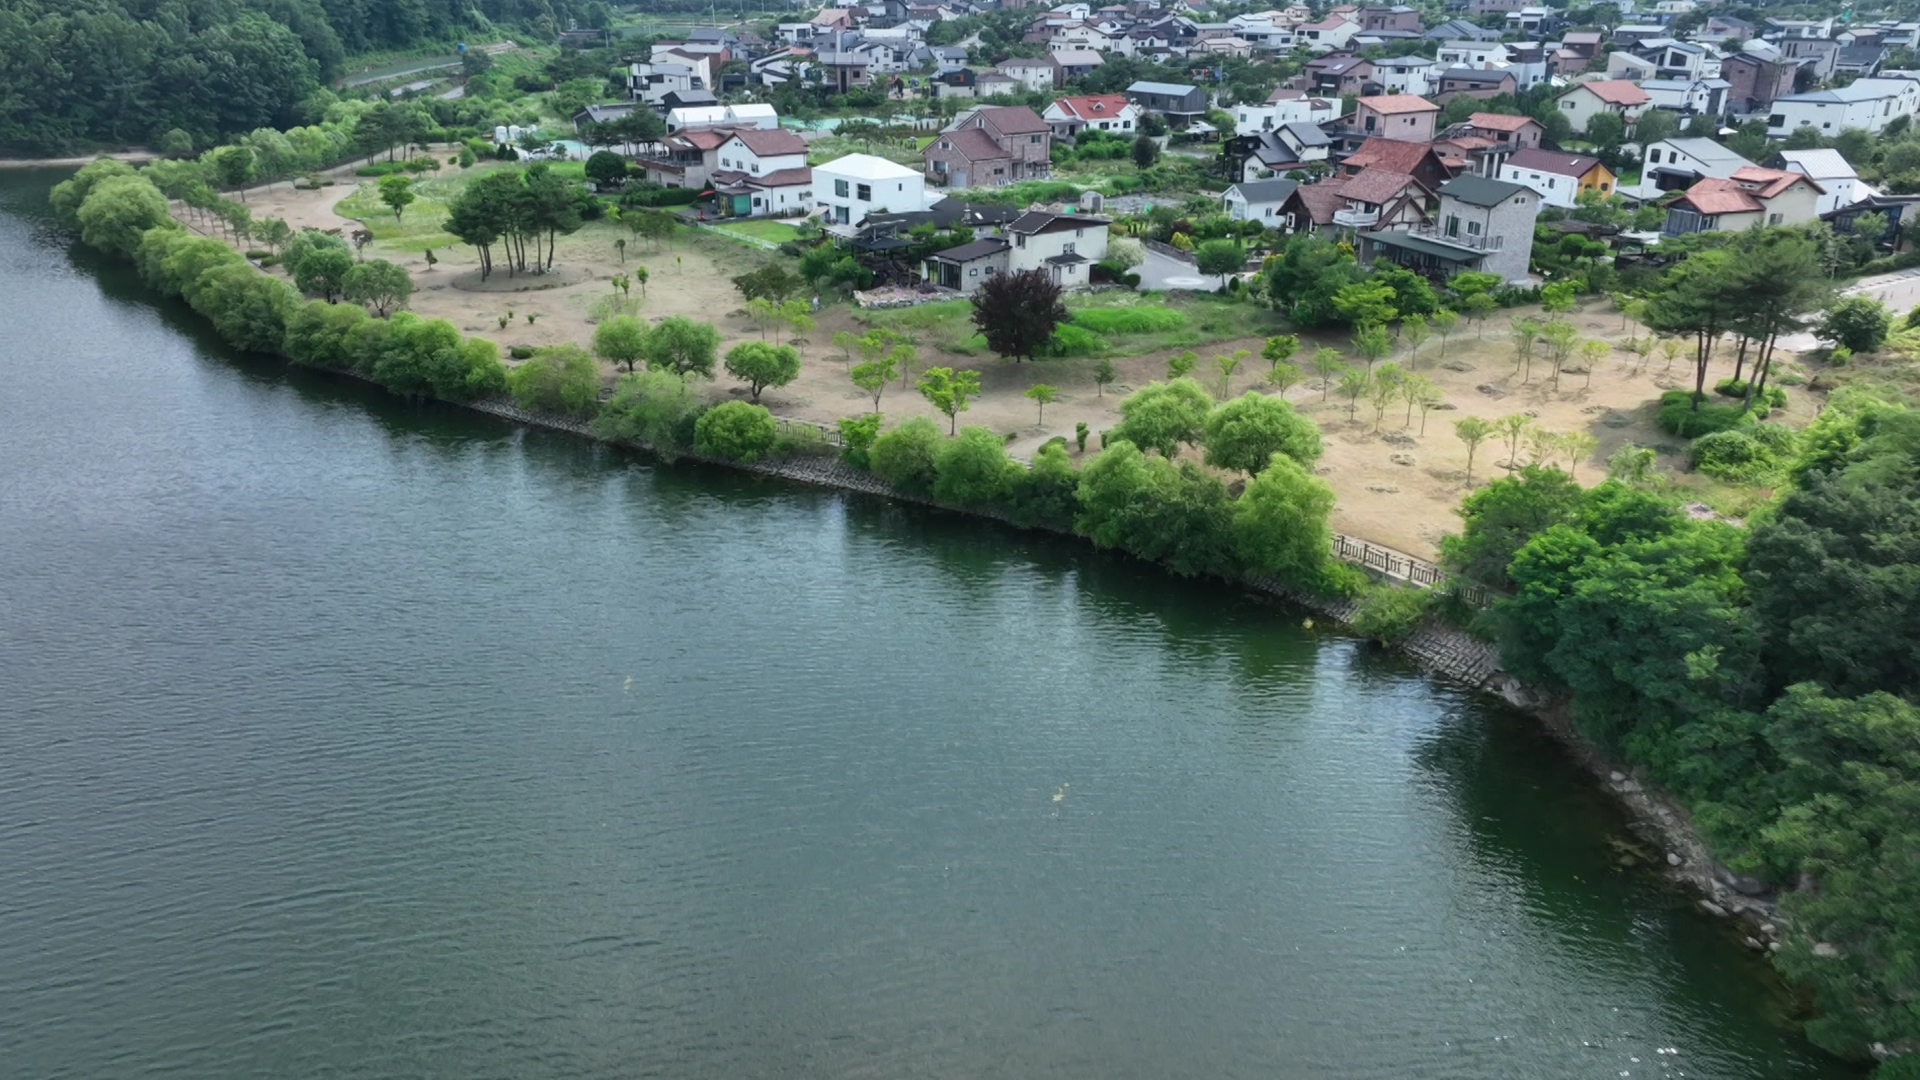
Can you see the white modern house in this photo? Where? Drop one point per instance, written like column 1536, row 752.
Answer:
column 1867, row 104
column 700, row 116
column 849, row 188
column 1405, row 75
column 1839, row 184
column 1063, row 246
column 1677, row 164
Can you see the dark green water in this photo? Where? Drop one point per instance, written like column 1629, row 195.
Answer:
column 342, row 739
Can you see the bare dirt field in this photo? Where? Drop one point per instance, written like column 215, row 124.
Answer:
column 1396, row 486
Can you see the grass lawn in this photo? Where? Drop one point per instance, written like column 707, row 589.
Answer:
column 420, row 227
column 773, row 232
column 949, row 325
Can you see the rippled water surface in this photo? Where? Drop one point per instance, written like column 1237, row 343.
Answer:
column 339, row 739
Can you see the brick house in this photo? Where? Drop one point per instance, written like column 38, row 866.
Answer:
column 991, row 147
column 1480, row 224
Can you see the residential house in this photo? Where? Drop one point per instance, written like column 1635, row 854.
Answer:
column 1576, row 52
column 1680, row 163
column 1261, row 201
column 651, row 83
column 991, row 147
column 1179, row 103
column 763, row 173
column 1261, row 154
column 1751, row 196
column 1474, row 83
column 1471, row 54
column 1628, row 67
column 1284, row 107
column 993, row 84
column 1517, row 132
column 1064, row 246
column 1333, row 32
column 1558, row 177
column 1528, row 62
column 1038, row 75
column 1859, row 60
column 1389, row 17
column 1631, row 36
column 601, row 114
column 1677, row 59
column 1405, row 75
column 1396, row 116
column 849, row 188
column 1335, row 76
column 943, row 58
column 1696, row 97
column 1225, row 46
column 1418, row 160
column 685, row 159
column 1818, row 56
column 1755, row 80
column 1461, row 30
column 1380, row 198
column 1099, row 112
column 1075, row 63
column 1867, row 104
column 1590, row 99
column 1480, row 224
column 1478, row 8
column 1528, row 20
column 1840, row 185
column 1719, row 28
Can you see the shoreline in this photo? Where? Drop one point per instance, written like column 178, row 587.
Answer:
column 131, row 157
column 1682, row 858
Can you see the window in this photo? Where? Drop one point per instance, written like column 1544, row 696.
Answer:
column 1473, row 228
column 1773, row 219
column 1079, row 232
column 840, row 188
column 1067, row 249
column 1020, row 240
column 864, row 193
column 1653, row 156
column 1034, row 139
column 1453, row 225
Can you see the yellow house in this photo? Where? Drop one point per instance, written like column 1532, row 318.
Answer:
column 1559, row 177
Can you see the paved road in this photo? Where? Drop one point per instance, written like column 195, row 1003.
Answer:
column 1899, row 290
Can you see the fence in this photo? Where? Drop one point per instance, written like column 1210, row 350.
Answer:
column 1405, row 567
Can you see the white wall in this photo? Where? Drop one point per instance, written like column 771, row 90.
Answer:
column 893, row 195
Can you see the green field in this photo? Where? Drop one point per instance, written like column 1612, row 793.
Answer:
column 420, row 226
column 1201, row 321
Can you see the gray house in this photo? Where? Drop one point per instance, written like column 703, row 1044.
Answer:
column 1180, row 104
column 1482, row 224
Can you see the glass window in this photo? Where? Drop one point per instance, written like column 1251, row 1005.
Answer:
column 840, row 188
column 864, row 193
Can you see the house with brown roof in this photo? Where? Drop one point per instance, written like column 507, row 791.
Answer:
column 1556, row 176
column 687, row 158
column 1473, row 83
column 1334, row 76
column 1382, row 199
column 1516, row 132
column 1590, row 99
column 1418, row 160
column 1751, row 196
column 991, row 147
column 1396, row 116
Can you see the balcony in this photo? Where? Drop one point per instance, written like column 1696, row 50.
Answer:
column 1482, row 242
column 1356, row 219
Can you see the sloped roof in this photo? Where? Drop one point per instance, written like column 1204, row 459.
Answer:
column 773, row 141
column 970, row 143
column 1322, row 199
column 1616, row 92
column 1037, row 221
column 1013, row 120
column 1078, row 58
column 1093, row 106
column 1397, row 155
column 1175, row 89
column 1500, row 121
column 1306, row 134
column 1554, row 161
column 1376, row 185
column 1770, row 182
column 1480, row 191
column 1392, row 104
column 1477, row 75
column 1716, row 196
column 1820, row 164
column 979, row 249
column 1265, row 191
column 785, row 177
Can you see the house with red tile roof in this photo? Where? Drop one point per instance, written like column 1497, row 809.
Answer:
column 1380, row 198
column 1416, row 159
column 1590, row 99
column 1751, row 196
column 1111, row 113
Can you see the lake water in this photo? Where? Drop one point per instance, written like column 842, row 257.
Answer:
column 345, row 739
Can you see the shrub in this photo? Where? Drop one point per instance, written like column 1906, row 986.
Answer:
column 1131, row 320
column 1080, row 435
column 1043, row 496
column 736, row 431
column 857, row 434
column 1859, row 322
column 521, row 352
column 1773, row 396
column 1388, row 613
column 1733, row 455
column 652, row 408
column 659, row 197
column 973, row 469
column 256, row 254
column 1679, row 417
column 562, row 379
column 904, row 456
column 1071, row 340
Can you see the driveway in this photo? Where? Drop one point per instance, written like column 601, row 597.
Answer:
column 1163, row 272
column 1900, row 291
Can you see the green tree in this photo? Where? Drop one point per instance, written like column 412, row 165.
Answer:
column 1478, row 306
column 1181, row 364
column 1280, row 523
column 1163, row 416
column 605, row 167
column 1220, row 257
column 1365, row 303
column 1278, row 350
column 655, row 409
column 118, row 211
column 1372, row 343
column 1473, row 431
column 323, row 270
column 949, row 391
column 761, row 365
column 234, row 167
column 735, row 431
column 1041, row 395
column 1859, row 323
column 1353, row 386
column 1503, row 516
column 873, row 375
column 1145, row 152
column 682, row 346
column 621, row 340
column 1444, row 322
column 397, row 193
column 380, row 285
column 1245, row 433
column 1329, row 364
column 1414, row 330
column 1103, row 374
